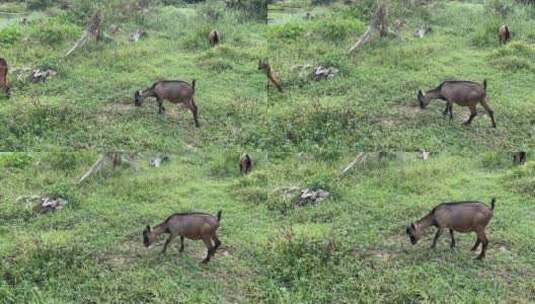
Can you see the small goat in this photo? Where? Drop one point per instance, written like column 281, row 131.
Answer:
column 193, row 226
column 272, row 77
column 175, row 91
column 4, row 83
column 463, row 93
column 246, row 163
column 503, row 34
column 468, row 216
column 213, row 37
column 519, row 158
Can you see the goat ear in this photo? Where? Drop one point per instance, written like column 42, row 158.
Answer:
column 413, row 227
column 148, row 228
column 420, row 94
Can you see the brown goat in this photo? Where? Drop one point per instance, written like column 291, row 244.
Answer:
column 213, row 37
column 272, row 77
column 519, row 158
column 175, row 91
column 193, row 226
column 4, row 83
column 246, row 163
column 464, row 93
column 467, row 216
column 503, row 34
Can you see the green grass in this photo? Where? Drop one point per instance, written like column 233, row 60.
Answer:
column 350, row 247
column 90, row 102
column 370, row 105
column 377, row 85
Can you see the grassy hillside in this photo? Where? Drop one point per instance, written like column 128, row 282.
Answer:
column 369, row 105
column 350, row 247
column 89, row 104
column 371, row 102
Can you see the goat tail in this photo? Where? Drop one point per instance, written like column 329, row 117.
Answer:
column 219, row 215
column 485, row 85
column 193, row 85
column 492, row 202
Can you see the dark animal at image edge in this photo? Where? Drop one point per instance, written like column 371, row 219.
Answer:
column 4, row 83
column 503, row 34
column 246, row 164
column 464, row 93
column 467, row 216
column 193, row 226
column 175, row 91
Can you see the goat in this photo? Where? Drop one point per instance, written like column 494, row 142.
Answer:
column 503, row 34
column 466, row 216
column 246, row 163
column 213, row 37
column 175, row 91
column 4, row 83
column 463, row 93
column 193, row 226
column 519, row 158
column 272, row 77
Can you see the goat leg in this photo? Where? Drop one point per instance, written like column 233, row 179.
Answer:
column 210, row 249
column 473, row 113
column 161, row 108
column 171, row 237
column 474, row 248
column 181, row 244
column 437, row 235
column 452, row 245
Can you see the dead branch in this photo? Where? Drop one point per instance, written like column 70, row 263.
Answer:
column 360, row 157
column 377, row 25
column 94, row 168
column 362, row 40
column 92, row 30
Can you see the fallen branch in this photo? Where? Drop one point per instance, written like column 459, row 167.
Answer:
column 92, row 30
column 362, row 40
column 358, row 159
column 94, row 168
column 377, row 25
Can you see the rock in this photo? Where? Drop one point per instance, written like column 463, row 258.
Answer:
column 38, row 75
column 423, row 154
column 157, row 161
column 422, row 31
column 113, row 29
column 51, row 204
column 135, row 36
column 309, row 196
column 321, row 72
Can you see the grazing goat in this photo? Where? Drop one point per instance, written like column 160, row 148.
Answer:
column 175, row 91
column 467, row 216
column 213, row 37
column 4, row 83
column 463, row 93
column 193, row 226
column 272, row 77
column 503, row 34
column 246, row 164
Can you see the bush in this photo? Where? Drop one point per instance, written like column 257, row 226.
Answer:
column 9, row 35
column 250, row 9
column 53, row 31
column 17, row 160
column 290, row 31
column 338, row 29
column 38, row 4
column 486, row 34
